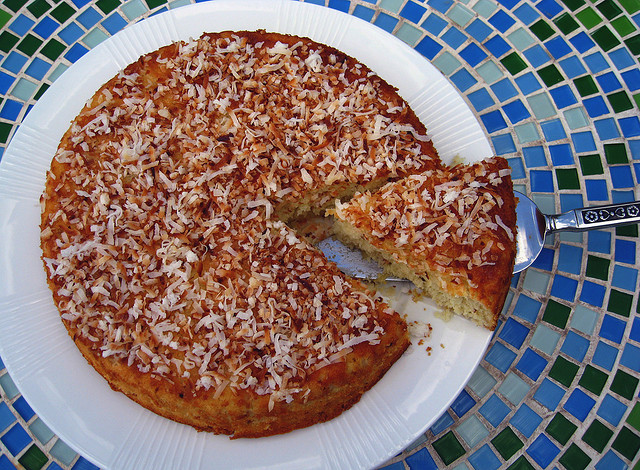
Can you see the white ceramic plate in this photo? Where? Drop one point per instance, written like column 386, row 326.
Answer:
column 114, row 432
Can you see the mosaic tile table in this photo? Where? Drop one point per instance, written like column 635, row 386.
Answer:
column 556, row 85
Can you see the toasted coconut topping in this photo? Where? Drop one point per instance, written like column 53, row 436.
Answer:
column 160, row 232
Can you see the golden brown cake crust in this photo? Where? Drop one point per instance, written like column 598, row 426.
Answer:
column 453, row 228
column 163, row 241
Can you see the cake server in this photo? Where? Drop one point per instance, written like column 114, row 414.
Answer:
column 533, row 227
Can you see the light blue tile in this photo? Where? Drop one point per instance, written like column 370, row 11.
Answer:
column 536, row 281
column 584, row 319
column 490, row 72
column 481, row 382
column 472, row 431
column 545, row 339
column 513, row 388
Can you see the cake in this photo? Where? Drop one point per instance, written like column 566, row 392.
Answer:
column 450, row 230
column 167, row 240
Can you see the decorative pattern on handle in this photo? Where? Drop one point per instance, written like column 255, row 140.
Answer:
column 619, row 213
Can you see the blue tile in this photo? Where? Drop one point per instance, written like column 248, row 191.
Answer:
column 10, row 110
column 428, row 47
column 534, row 156
column 7, row 417
column 89, row 18
column 599, row 241
column 517, row 172
column 579, row 404
column 625, row 251
column 583, row 142
column 597, row 190
column 75, row 52
column 441, row 5
column 71, row 33
column 575, row 346
column 543, row 451
column 485, row 459
column 21, row 25
column 631, row 357
column 516, row 111
column 23, row 408
column 541, row 181
column 595, row 106
column 610, row 461
column 504, row 89
column 480, row 99
column 525, row 420
column 434, row 24
column 611, row 410
column 563, row 96
column 363, row 13
column 472, row 54
column 463, row 80
column 612, row 329
column 478, row 30
column 501, row 21
column 5, row 463
column 608, row 82
column 561, row 154
column 553, row 130
column 442, row 423
column 412, row 11
column 386, row 22
column 46, row 27
column 621, row 177
column 634, row 147
column 16, row 439
column 531, row 364
column 582, row 42
column 549, row 8
column 503, row 145
column 508, row 4
column 80, row 3
column 572, row 67
column 114, row 23
column 497, row 46
column 84, row 464
column 536, row 56
column 570, row 201
column 630, row 126
column 493, row 121
column 526, row 13
column 462, row 404
column 6, row 81
column 400, row 465
column 420, row 460
column 618, row 196
column 545, row 259
column 593, row 293
column 605, row 356
column 624, row 278
column 494, row 410
column 527, row 308
column 528, row 83
column 632, row 79
column 621, row 58
column 570, row 258
column 500, row 357
column 549, row 394
column 454, row 37
column 340, row 5
column 607, row 129
column 38, row 68
column 564, row 288
column 513, row 333
column 14, row 62
column 558, row 47
column 596, row 62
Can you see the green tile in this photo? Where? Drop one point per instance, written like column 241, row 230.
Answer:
column 586, row 85
column 62, row 12
column 615, row 153
column 107, row 6
column 53, row 49
column 623, row 26
column 33, row 458
column 605, row 38
column 513, row 63
column 41, row 91
column 542, row 30
column 448, row 448
column 627, row 443
column 634, row 417
column 563, row 371
column 591, row 165
column 561, row 429
column 4, row 18
column 39, row 8
column 550, row 75
column 588, row 17
column 609, row 9
column 620, row 101
column 567, row 178
column 633, row 44
column 556, row 314
column 7, row 41
column 627, row 231
column 573, row 4
column 566, row 23
column 30, row 44
column 521, row 464
column 507, row 443
column 14, row 5
column 574, row 458
column 593, row 379
column 624, row 384
column 597, row 267
column 620, row 303
column 597, row 435
column 631, row 6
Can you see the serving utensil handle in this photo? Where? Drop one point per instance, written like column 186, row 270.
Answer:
column 592, row 218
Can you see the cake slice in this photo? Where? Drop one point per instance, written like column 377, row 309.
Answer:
column 451, row 231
